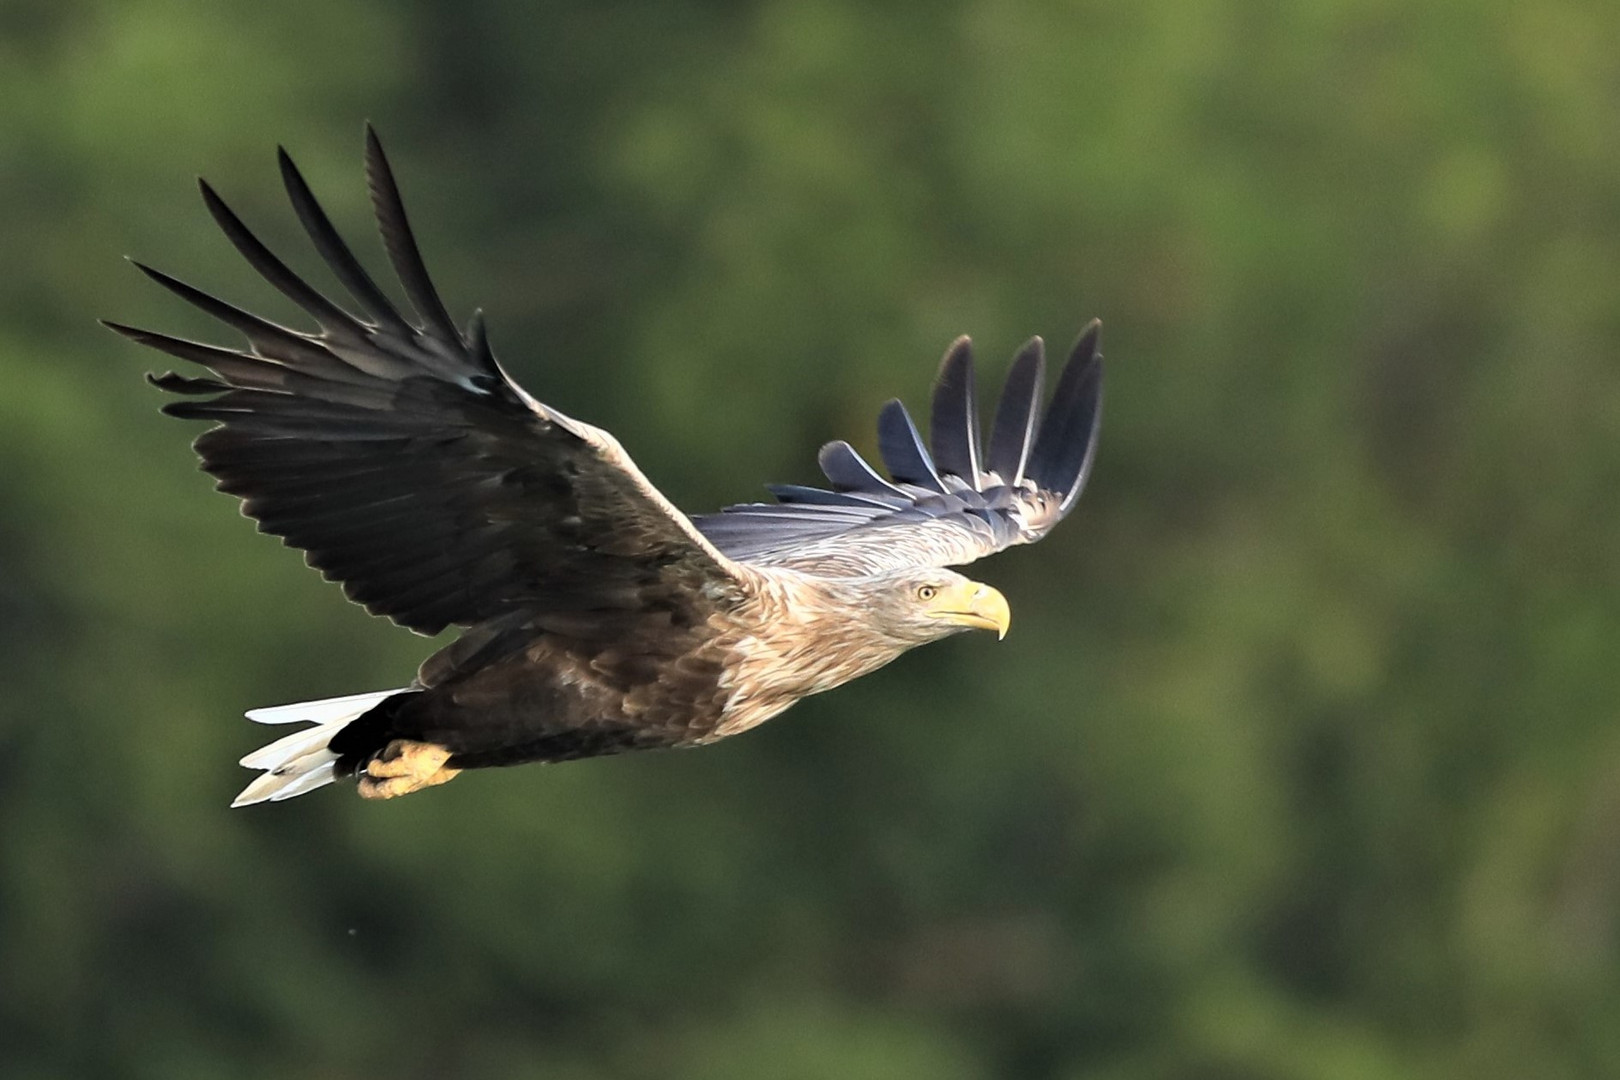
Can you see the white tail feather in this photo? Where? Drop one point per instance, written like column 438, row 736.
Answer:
column 319, row 776
column 296, row 745
column 320, row 712
column 300, row 762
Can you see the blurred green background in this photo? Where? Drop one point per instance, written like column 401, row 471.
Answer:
column 1300, row 762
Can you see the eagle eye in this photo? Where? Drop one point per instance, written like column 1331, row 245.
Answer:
column 927, row 592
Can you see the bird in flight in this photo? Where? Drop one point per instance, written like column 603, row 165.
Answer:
column 395, row 451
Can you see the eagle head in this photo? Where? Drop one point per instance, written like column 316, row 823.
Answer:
column 920, row 606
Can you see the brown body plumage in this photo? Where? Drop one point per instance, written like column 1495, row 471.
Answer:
column 534, row 694
column 598, row 618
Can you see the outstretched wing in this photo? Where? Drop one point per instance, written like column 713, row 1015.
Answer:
column 959, row 503
column 400, row 457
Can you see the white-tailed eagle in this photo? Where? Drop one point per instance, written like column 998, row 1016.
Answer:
column 391, row 447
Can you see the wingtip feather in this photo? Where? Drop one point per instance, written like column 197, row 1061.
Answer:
column 848, row 471
column 1018, row 413
column 388, row 206
column 902, row 449
column 1089, row 344
column 953, row 422
column 1066, row 447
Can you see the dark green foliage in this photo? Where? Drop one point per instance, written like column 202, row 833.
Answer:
column 1302, row 759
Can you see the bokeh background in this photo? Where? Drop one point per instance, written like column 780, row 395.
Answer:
column 1302, row 761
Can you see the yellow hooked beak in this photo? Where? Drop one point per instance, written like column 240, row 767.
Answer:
column 975, row 605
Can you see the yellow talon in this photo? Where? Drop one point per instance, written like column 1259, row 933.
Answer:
column 405, row 766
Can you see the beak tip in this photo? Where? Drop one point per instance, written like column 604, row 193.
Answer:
column 997, row 611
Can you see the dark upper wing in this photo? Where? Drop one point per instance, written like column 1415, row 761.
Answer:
column 396, row 452
column 958, row 503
